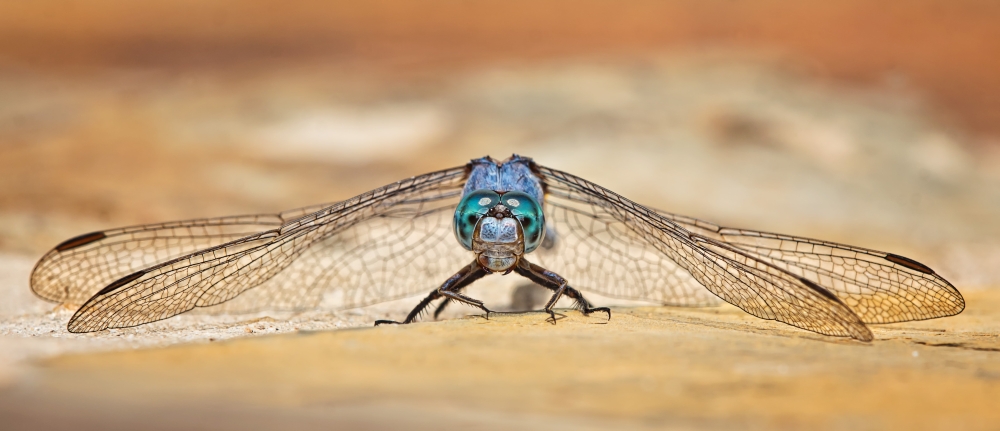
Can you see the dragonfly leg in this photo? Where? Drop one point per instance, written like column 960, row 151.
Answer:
column 462, row 278
column 556, row 283
column 452, row 291
column 441, row 307
column 457, row 289
column 416, row 310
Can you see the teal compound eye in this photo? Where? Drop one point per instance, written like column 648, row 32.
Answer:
column 528, row 212
column 470, row 210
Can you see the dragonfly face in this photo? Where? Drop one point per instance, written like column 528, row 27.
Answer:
column 499, row 227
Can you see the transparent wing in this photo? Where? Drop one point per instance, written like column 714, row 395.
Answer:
column 77, row 268
column 606, row 232
column 388, row 243
column 394, row 254
column 594, row 250
column 880, row 287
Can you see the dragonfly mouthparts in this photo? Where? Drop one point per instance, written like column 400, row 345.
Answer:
column 500, row 212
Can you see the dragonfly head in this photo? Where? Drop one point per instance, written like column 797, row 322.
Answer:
column 499, row 227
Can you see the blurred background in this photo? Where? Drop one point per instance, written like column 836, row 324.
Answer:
column 871, row 123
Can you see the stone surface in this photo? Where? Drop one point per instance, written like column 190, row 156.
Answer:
column 648, row 367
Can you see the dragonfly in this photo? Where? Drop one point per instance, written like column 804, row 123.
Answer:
column 556, row 229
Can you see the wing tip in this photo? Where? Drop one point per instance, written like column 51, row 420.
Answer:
column 866, row 335
column 78, row 324
column 81, row 325
column 76, row 327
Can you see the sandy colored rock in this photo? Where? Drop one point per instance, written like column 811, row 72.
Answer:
column 648, row 367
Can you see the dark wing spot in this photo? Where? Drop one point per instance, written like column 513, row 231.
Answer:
column 78, row 241
column 121, row 282
column 819, row 289
column 909, row 263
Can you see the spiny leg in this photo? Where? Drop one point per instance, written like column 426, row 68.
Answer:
column 444, row 304
column 553, row 281
column 416, row 310
column 462, row 278
column 453, row 291
column 440, row 307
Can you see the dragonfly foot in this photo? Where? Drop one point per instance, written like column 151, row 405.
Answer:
column 387, row 322
column 552, row 316
column 485, row 310
column 588, row 311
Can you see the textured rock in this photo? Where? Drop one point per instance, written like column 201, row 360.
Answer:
column 648, row 367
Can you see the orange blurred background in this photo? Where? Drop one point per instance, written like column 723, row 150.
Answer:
column 870, row 122
column 946, row 49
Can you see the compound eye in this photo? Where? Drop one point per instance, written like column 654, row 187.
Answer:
column 528, row 212
column 470, row 211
